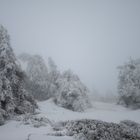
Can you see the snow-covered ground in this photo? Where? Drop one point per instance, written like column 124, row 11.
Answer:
column 102, row 111
column 14, row 130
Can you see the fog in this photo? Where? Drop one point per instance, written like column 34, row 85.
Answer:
column 91, row 37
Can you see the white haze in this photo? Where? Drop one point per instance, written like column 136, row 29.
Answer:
column 91, row 37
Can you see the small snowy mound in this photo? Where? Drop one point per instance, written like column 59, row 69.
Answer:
column 72, row 94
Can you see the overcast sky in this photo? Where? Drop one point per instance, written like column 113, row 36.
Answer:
column 91, row 37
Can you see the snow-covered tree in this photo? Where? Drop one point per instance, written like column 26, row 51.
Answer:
column 24, row 57
column 13, row 97
column 52, row 65
column 46, row 82
column 129, row 84
column 37, row 70
column 53, row 76
column 37, row 75
column 71, row 93
column 41, row 78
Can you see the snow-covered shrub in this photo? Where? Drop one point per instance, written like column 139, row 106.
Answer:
column 13, row 97
column 71, row 93
column 129, row 84
column 98, row 130
column 33, row 120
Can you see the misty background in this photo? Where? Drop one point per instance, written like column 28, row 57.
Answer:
column 91, row 37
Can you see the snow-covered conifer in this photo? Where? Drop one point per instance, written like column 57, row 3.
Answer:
column 13, row 97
